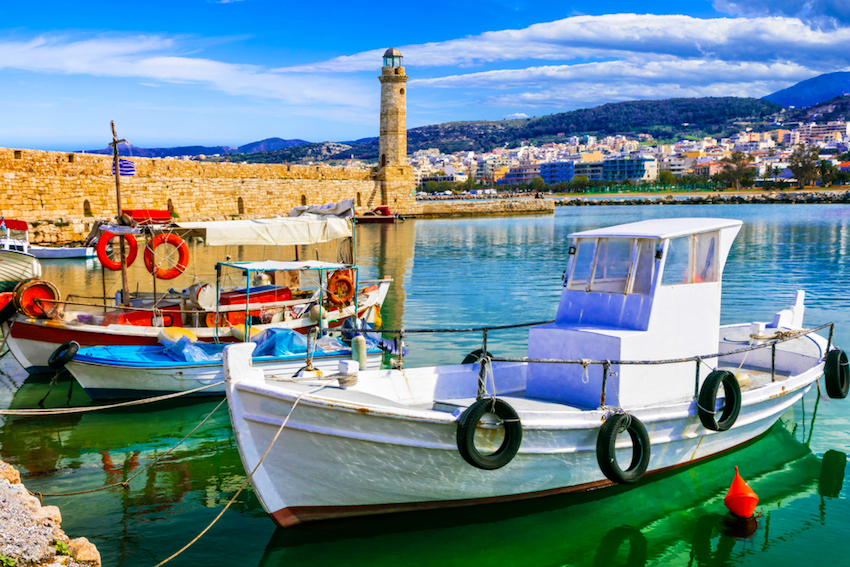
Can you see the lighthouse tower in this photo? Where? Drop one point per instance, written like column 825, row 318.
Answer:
column 395, row 175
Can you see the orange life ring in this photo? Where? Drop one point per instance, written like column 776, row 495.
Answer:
column 35, row 298
column 340, row 287
column 224, row 320
column 182, row 256
column 108, row 262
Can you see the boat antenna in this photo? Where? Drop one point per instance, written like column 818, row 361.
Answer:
column 125, row 286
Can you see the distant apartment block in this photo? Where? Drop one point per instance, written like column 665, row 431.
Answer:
column 590, row 169
column 630, row 168
column 521, row 174
column 557, row 172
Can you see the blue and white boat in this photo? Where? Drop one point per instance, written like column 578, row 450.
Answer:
column 129, row 371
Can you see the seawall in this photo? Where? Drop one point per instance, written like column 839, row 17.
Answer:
column 774, row 198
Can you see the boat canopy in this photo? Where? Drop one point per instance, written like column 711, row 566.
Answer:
column 278, row 231
column 12, row 224
column 274, row 265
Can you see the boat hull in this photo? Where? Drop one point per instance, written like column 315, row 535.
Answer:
column 16, row 267
column 56, row 253
column 335, row 460
column 106, row 381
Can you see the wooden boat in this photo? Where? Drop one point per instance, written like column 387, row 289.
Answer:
column 626, row 382
column 17, row 263
column 379, row 215
column 41, row 252
column 209, row 310
column 138, row 371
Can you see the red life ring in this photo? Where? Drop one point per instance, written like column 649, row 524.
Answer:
column 182, row 256
column 340, row 287
column 108, row 262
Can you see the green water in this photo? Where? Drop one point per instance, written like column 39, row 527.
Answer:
column 464, row 272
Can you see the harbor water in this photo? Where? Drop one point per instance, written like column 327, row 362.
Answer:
column 448, row 274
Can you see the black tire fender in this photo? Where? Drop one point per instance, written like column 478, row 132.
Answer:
column 836, row 374
column 7, row 312
column 62, row 355
column 707, row 401
column 606, row 452
column 475, row 356
column 467, row 423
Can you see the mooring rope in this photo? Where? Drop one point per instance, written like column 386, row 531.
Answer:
column 85, row 409
column 247, row 479
column 126, row 483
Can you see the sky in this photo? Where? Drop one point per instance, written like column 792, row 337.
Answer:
column 230, row 72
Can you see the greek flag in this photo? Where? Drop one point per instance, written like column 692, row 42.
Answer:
column 125, row 167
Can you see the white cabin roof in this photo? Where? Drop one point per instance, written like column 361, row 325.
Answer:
column 660, row 228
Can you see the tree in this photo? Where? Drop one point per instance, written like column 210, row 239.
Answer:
column 803, row 163
column 826, row 171
column 666, row 178
column 775, row 172
column 537, row 184
column 579, row 182
column 431, row 186
column 737, row 168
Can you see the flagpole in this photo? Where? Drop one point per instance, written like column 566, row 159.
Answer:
column 125, row 285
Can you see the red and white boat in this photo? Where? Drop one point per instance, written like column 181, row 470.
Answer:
column 211, row 312
column 378, row 215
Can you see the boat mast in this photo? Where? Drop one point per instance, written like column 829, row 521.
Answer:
column 125, row 286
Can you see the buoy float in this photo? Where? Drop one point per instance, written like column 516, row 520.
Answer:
column 741, row 500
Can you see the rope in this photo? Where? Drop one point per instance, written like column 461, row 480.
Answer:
column 126, row 483
column 247, row 480
column 85, row 409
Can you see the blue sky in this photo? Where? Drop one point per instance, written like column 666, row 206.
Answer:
column 228, row 73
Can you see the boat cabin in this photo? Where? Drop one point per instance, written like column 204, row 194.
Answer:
column 647, row 290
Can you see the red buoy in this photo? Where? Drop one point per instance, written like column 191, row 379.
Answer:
column 741, row 500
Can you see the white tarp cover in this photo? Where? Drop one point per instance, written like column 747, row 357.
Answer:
column 273, row 265
column 279, row 231
column 344, row 209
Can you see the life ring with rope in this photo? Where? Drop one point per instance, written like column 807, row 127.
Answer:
column 340, row 287
column 182, row 256
column 108, row 262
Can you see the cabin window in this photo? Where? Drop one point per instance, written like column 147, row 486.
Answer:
column 582, row 262
column 691, row 259
column 644, row 270
column 677, row 264
column 705, row 257
column 611, row 268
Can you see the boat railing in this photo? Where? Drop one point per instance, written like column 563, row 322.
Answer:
column 487, row 359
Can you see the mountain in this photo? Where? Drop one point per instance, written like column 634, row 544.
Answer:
column 270, row 144
column 668, row 119
column 261, row 146
column 813, row 91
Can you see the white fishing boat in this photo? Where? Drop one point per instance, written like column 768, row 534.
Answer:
column 636, row 376
column 17, row 262
column 22, row 244
column 123, row 371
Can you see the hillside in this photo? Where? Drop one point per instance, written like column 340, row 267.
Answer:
column 664, row 119
column 836, row 109
column 813, row 91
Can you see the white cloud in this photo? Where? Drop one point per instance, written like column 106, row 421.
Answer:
column 616, row 36
column 822, row 13
column 515, row 115
column 157, row 58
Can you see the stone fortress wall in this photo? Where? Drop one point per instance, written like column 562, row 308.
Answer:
column 64, row 194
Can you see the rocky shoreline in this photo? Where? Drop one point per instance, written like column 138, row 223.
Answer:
column 796, row 198
column 30, row 534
